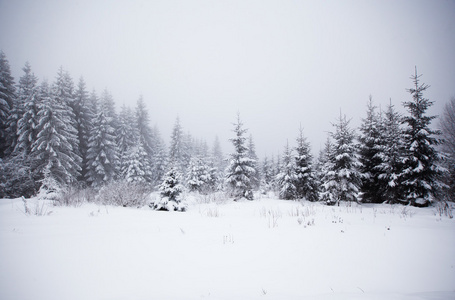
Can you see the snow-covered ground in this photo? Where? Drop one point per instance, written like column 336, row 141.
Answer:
column 261, row 249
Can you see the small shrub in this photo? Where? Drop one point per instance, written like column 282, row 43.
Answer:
column 123, row 193
column 444, row 209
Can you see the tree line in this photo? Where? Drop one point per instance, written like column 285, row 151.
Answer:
column 59, row 134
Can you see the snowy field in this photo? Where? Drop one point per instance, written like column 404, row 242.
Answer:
column 263, row 249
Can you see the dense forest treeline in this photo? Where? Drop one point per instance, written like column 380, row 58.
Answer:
column 57, row 135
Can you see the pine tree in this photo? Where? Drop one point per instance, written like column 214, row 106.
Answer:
column 159, row 160
column 84, row 116
column 345, row 163
column 329, row 187
column 390, row 151
column 306, row 180
column 7, row 99
column 102, row 151
column 127, row 136
column 171, row 190
column 368, row 155
column 177, row 148
column 447, row 127
column 255, row 180
column 199, row 178
column 26, row 117
column 420, row 172
column 267, row 175
column 143, row 128
column 53, row 147
column 287, row 177
column 137, row 167
column 240, row 170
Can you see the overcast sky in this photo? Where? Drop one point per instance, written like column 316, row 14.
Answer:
column 279, row 63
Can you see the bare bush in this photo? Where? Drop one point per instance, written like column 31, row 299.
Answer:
column 123, row 193
column 75, row 196
column 443, row 208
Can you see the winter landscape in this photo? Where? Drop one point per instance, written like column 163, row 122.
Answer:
column 262, row 249
column 227, row 150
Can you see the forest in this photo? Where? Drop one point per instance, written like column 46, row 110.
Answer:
column 62, row 142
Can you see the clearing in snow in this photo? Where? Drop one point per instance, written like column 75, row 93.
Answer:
column 261, row 249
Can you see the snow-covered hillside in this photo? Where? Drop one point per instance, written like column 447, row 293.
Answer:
column 261, row 249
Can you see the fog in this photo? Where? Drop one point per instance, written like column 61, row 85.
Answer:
column 281, row 64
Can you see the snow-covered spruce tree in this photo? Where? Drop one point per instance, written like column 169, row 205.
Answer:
column 329, row 185
column 126, row 137
column 177, row 148
column 287, row 177
column 345, row 162
column 53, row 147
column 26, row 116
column 447, row 127
column 137, row 166
column 199, row 178
column 170, row 190
column 369, row 144
column 390, row 151
column 420, row 172
column 240, row 170
column 159, row 160
column 256, row 178
column 7, row 98
column 84, row 116
column 144, row 130
column 26, row 92
column 306, row 179
column 102, row 151
column 267, row 175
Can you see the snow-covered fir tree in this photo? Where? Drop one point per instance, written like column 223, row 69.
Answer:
column 344, row 163
column 126, row 137
column 84, row 116
column 256, row 178
column 369, row 144
column 390, row 151
column 177, row 148
column 240, row 170
column 27, row 116
column 268, row 175
column 25, row 91
column 170, row 193
column 7, row 98
column 137, row 167
column 102, row 151
column 55, row 139
column 420, row 172
column 329, row 185
column 287, row 178
column 159, row 160
column 447, row 127
column 306, row 179
column 199, row 177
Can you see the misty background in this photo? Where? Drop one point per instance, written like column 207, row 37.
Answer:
column 279, row 63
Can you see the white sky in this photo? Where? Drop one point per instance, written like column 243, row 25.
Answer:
column 280, row 63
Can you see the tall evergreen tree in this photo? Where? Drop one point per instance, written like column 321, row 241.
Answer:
column 447, row 127
column 390, row 154
column 53, row 147
column 345, row 162
column 255, row 180
column 368, row 155
column 287, row 177
column 102, row 151
column 26, row 115
column 7, row 99
column 137, row 167
column 421, row 172
column 240, row 170
column 329, row 184
column 177, row 148
column 84, row 116
column 306, row 179
column 268, row 175
column 127, row 136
